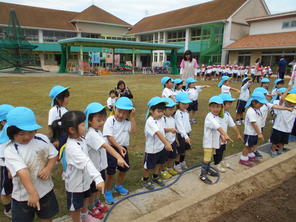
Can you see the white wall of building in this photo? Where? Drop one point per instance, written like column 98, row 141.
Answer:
column 101, row 29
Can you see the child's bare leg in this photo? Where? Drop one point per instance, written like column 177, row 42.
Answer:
column 274, row 147
column 156, row 169
column 146, row 173
column 281, row 147
column 45, row 220
column 108, row 182
column 193, row 114
column 120, row 178
column 170, row 163
column 75, row 216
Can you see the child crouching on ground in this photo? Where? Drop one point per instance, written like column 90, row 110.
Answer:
column 156, row 146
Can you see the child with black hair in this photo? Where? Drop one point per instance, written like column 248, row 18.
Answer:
column 30, row 159
column 156, row 145
column 97, row 146
column 111, row 100
column 79, row 170
column 178, row 83
column 168, row 88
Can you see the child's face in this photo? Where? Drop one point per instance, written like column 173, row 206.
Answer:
column 215, row 108
column 280, row 85
column 24, row 137
column 97, row 121
column 121, row 114
column 169, row 111
column 66, row 101
column 112, row 95
column 157, row 113
column 227, row 105
column 169, row 84
column 265, row 85
column 179, row 86
column 256, row 105
column 191, row 85
column 226, row 83
column 183, row 106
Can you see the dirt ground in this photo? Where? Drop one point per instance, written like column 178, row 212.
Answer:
column 277, row 205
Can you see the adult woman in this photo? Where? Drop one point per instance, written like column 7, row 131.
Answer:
column 258, row 72
column 188, row 66
column 122, row 90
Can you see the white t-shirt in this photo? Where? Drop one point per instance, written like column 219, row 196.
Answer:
column 252, row 115
column 170, row 123
column 167, row 93
column 111, row 102
column 55, row 113
column 178, row 91
column 284, row 121
column 244, row 92
column 80, row 170
column 211, row 137
column 119, row 130
column 33, row 156
column 226, row 122
column 98, row 155
column 182, row 123
column 225, row 89
column 265, row 109
column 193, row 93
column 153, row 143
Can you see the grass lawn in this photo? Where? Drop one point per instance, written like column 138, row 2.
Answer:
column 32, row 91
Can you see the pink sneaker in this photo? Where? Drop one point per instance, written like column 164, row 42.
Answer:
column 90, row 218
column 254, row 159
column 246, row 163
column 96, row 213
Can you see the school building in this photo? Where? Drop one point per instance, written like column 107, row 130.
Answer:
column 270, row 38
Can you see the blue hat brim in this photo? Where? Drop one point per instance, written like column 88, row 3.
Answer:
column 30, row 127
column 185, row 101
column 64, row 89
column 124, row 107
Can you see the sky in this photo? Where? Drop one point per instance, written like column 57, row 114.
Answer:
column 132, row 11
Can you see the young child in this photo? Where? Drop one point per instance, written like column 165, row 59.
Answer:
column 242, row 100
column 156, row 145
column 5, row 181
column 252, row 128
column 225, row 122
column 269, row 71
column 213, row 132
column 203, row 71
column 95, row 118
column 183, row 129
column 168, row 86
column 178, row 86
column 79, row 170
column 278, row 83
column 265, row 83
column 209, row 72
column 111, row 100
column 253, row 71
column 117, row 130
column 235, row 73
column 193, row 92
column 225, row 86
column 30, row 159
column 246, row 71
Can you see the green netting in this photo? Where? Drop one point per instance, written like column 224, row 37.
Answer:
column 15, row 51
column 211, row 43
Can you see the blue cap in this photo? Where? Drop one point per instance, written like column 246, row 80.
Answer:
column 165, row 79
column 226, row 97
column 156, row 100
column 282, row 90
column 92, row 108
column 178, row 81
column 277, row 81
column 55, row 91
column 245, row 79
column 261, row 90
column 189, row 81
column 124, row 103
column 223, row 79
column 293, row 90
column 170, row 103
column 21, row 117
column 265, row 80
column 216, row 99
column 257, row 96
column 4, row 109
column 182, row 97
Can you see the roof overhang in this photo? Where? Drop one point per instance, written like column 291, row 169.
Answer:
column 100, row 23
column 260, row 48
column 271, row 17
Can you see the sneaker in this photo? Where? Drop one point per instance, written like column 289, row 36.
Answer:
column 165, row 175
column 225, row 164
column 7, row 213
column 220, row 168
column 178, row 168
column 183, row 165
column 147, row 184
column 285, row 150
column 158, row 181
column 254, row 159
column 205, row 179
column 213, row 172
column 173, row 172
column 109, row 197
column 96, row 213
column 121, row 190
column 246, row 163
column 102, row 207
column 258, row 154
column 90, row 218
column 194, row 121
column 238, row 122
column 279, row 152
column 273, row 153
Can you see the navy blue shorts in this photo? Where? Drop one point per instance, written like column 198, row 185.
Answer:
column 112, row 163
column 240, row 106
column 250, row 141
column 5, row 182
column 22, row 212
column 193, row 106
column 173, row 155
column 151, row 159
column 75, row 200
column 279, row 137
column 183, row 146
column 93, row 188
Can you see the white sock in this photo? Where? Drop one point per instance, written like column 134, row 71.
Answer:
column 83, row 215
column 245, row 158
column 251, row 154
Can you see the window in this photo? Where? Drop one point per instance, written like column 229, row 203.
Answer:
column 146, row 38
column 155, row 57
column 244, row 60
column 54, row 36
column 91, row 35
column 161, row 57
column 176, row 36
column 155, row 37
column 195, row 34
column 289, row 24
column 161, row 37
column 2, row 32
column 31, row 35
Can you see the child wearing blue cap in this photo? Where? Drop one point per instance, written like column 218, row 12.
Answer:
column 97, row 146
column 278, row 83
column 168, row 87
column 224, row 84
column 183, row 129
column 252, row 130
column 5, row 181
column 117, row 129
column 242, row 100
column 79, row 170
column 156, row 146
column 178, row 86
column 30, row 159
column 213, row 133
column 193, row 92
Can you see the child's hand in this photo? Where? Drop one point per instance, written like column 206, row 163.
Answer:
column 172, row 130
column 261, row 137
column 121, row 162
column 101, row 187
column 133, row 113
column 122, row 151
column 207, row 86
column 239, row 137
column 44, row 173
column 188, row 140
column 168, row 147
column 33, row 200
column 227, row 138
